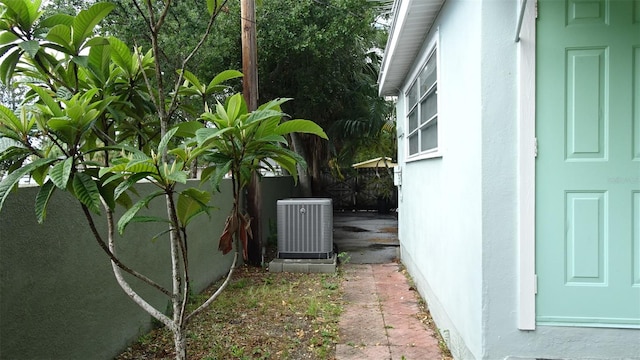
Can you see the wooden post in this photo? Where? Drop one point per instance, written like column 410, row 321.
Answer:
column 250, row 93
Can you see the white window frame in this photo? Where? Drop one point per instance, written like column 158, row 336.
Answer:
column 431, row 51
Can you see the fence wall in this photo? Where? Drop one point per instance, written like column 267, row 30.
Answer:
column 58, row 296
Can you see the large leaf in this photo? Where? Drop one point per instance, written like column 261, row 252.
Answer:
column 133, row 210
column 192, row 202
column 57, row 19
column 60, row 172
column 86, row 190
column 31, row 47
column 222, row 77
column 9, row 119
column 8, row 65
column 61, row 35
column 207, row 135
column 234, row 106
column 301, row 126
column 46, row 98
column 193, row 80
column 188, row 129
column 86, row 20
column 164, row 142
column 12, row 179
column 42, row 200
column 129, row 182
column 121, row 55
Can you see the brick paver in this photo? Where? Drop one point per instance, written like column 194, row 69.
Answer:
column 379, row 319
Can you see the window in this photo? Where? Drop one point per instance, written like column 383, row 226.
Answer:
column 422, row 103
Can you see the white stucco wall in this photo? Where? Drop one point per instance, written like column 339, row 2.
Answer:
column 502, row 339
column 458, row 214
column 440, row 207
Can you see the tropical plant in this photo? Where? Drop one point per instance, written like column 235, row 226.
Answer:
column 82, row 129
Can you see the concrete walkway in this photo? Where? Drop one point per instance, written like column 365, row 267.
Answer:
column 380, row 317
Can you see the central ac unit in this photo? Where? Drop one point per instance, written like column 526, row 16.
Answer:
column 305, row 228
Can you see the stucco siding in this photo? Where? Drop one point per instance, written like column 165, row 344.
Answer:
column 502, row 338
column 440, row 215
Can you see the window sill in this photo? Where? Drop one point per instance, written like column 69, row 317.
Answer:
column 433, row 154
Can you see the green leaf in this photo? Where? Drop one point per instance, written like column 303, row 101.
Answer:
column 60, row 172
column 51, row 104
column 264, row 114
column 61, row 35
column 57, row 19
column 140, row 166
column 177, row 174
column 219, row 173
column 86, row 20
column 301, row 126
column 129, row 182
column 164, row 142
column 144, row 219
column 234, row 105
column 188, row 129
column 9, row 119
column 133, row 210
column 193, row 80
column 207, row 135
column 86, row 190
column 212, row 6
column 192, row 202
column 222, row 77
column 121, row 55
column 7, row 37
column 42, row 200
column 8, row 65
column 31, row 47
column 12, row 179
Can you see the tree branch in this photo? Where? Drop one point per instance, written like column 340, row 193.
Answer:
column 217, row 293
column 126, row 287
column 174, row 105
column 111, row 254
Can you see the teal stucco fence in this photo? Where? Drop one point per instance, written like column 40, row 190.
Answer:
column 58, row 296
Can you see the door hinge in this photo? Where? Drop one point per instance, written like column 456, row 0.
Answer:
column 535, row 283
column 535, row 147
column 536, row 8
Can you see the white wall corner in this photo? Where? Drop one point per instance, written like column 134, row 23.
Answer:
column 526, row 170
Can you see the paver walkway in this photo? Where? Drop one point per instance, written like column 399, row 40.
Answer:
column 379, row 319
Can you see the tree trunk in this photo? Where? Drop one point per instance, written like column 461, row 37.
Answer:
column 180, row 343
column 303, row 175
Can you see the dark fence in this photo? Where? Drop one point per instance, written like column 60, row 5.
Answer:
column 362, row 189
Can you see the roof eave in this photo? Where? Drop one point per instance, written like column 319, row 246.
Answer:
column 411, row 23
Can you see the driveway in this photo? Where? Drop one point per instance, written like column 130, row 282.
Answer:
column 368, row 237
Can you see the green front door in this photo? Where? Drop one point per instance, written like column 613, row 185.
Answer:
column 588, row 163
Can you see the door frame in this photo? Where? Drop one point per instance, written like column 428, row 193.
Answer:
column 527, row 151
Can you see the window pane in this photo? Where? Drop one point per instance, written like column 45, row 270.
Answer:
column 429, row 107
column 429, row 136
column 428, row 76
column 412, row 96
column 413, row 120
column 413, row 144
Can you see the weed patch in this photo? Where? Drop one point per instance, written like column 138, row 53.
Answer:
column 260, row 315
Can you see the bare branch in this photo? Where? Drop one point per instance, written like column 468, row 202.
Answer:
column 216, row 294
column 110, row 253
column 174, row 101
column 125, row 285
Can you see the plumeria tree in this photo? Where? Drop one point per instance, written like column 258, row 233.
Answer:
column 97, row 119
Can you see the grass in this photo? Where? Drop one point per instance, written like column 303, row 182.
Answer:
column 260, row 315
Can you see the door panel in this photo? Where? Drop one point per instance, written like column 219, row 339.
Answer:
column 588, row 164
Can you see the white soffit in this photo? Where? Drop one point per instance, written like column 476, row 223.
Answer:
column 411, row 23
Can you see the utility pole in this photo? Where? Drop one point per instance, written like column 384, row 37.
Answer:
column 250, row 93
